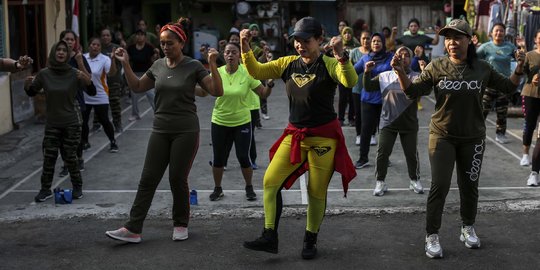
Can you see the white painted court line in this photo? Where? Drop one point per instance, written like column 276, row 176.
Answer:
column 32, row 174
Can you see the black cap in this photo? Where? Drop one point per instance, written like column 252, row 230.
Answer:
column 307, row 27
column 457, row 25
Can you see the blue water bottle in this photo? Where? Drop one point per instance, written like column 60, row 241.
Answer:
column 193, row 197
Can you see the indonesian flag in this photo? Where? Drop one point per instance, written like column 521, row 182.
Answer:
column 75, row 19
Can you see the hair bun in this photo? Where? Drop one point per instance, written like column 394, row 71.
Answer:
column 183, row 22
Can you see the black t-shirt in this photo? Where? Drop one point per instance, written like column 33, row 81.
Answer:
column 140, row 60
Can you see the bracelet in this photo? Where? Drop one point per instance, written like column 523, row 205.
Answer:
column 15, row 64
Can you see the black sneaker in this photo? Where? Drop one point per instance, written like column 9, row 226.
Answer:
column 217, row 194
column 81, row 165
column 63, row 172
column 43, row 195
column 77, row 192
column 267, row 242
column 310, row 246
column 250, row 194
column 361, row 164
column 86, row 146
column 114, row 147
column 254, row 166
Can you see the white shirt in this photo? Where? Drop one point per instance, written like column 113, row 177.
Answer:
column 100, row 65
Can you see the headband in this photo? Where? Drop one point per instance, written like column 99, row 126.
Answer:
column 176, row 29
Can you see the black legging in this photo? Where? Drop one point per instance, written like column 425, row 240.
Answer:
column 222, row 139
column 371, row 113
column 102, row 114
column 345, row 98
column 532, row 111
column 357, row 112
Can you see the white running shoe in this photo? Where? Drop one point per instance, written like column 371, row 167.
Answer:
column 265, row 116
column 533, row 179
column 180, row 233
column 525, row 160
column 380, row 188
column 357, row 142
column 468, row 236
column 501, row 138
column 433, row 246
column 373, row 140
column 125, row 235
column 416, row 186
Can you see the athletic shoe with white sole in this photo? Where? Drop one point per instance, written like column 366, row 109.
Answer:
column 416, row 186
column 373, row 140
column 533, row 179
column 433, row 246
column 180, row 233
column 380, row 188
column 125, row 235
column 501, row 138
column 468, row 236
column 525, row 160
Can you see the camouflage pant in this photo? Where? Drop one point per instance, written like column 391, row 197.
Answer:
column 68, row 138
column 114, row 102
column 115, row 94
column 501, row 107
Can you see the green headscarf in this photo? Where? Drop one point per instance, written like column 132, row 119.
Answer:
column 252, row 26
column 55, row 65
column 348, row 43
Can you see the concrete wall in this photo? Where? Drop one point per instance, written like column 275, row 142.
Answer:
column 55, row 21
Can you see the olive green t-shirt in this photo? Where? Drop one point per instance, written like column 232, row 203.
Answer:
column 175, row 95
column 458, row 94
column 233, row 108
column 530, row 68
column 60, row 91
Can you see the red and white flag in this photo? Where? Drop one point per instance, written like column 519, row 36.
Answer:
column 75, row 20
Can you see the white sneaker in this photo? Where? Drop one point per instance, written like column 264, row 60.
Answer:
column 533, row 179
column 380, row 188
column 125, row 235
column 180, row 233
column 525, row 160
column 416, row 186
column 433, row 246
column 373, row 140
column 265, row 116
column 468, row 236
column 357, row 142
column 501, row 138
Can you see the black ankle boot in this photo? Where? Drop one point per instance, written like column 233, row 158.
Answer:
column 267, row 242
column 310, row 246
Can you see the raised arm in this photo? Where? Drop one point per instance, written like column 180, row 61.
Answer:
column 212, row 84
column 397, row 65
column 370, row 84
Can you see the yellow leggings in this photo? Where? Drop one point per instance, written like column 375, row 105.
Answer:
column 319, row 152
